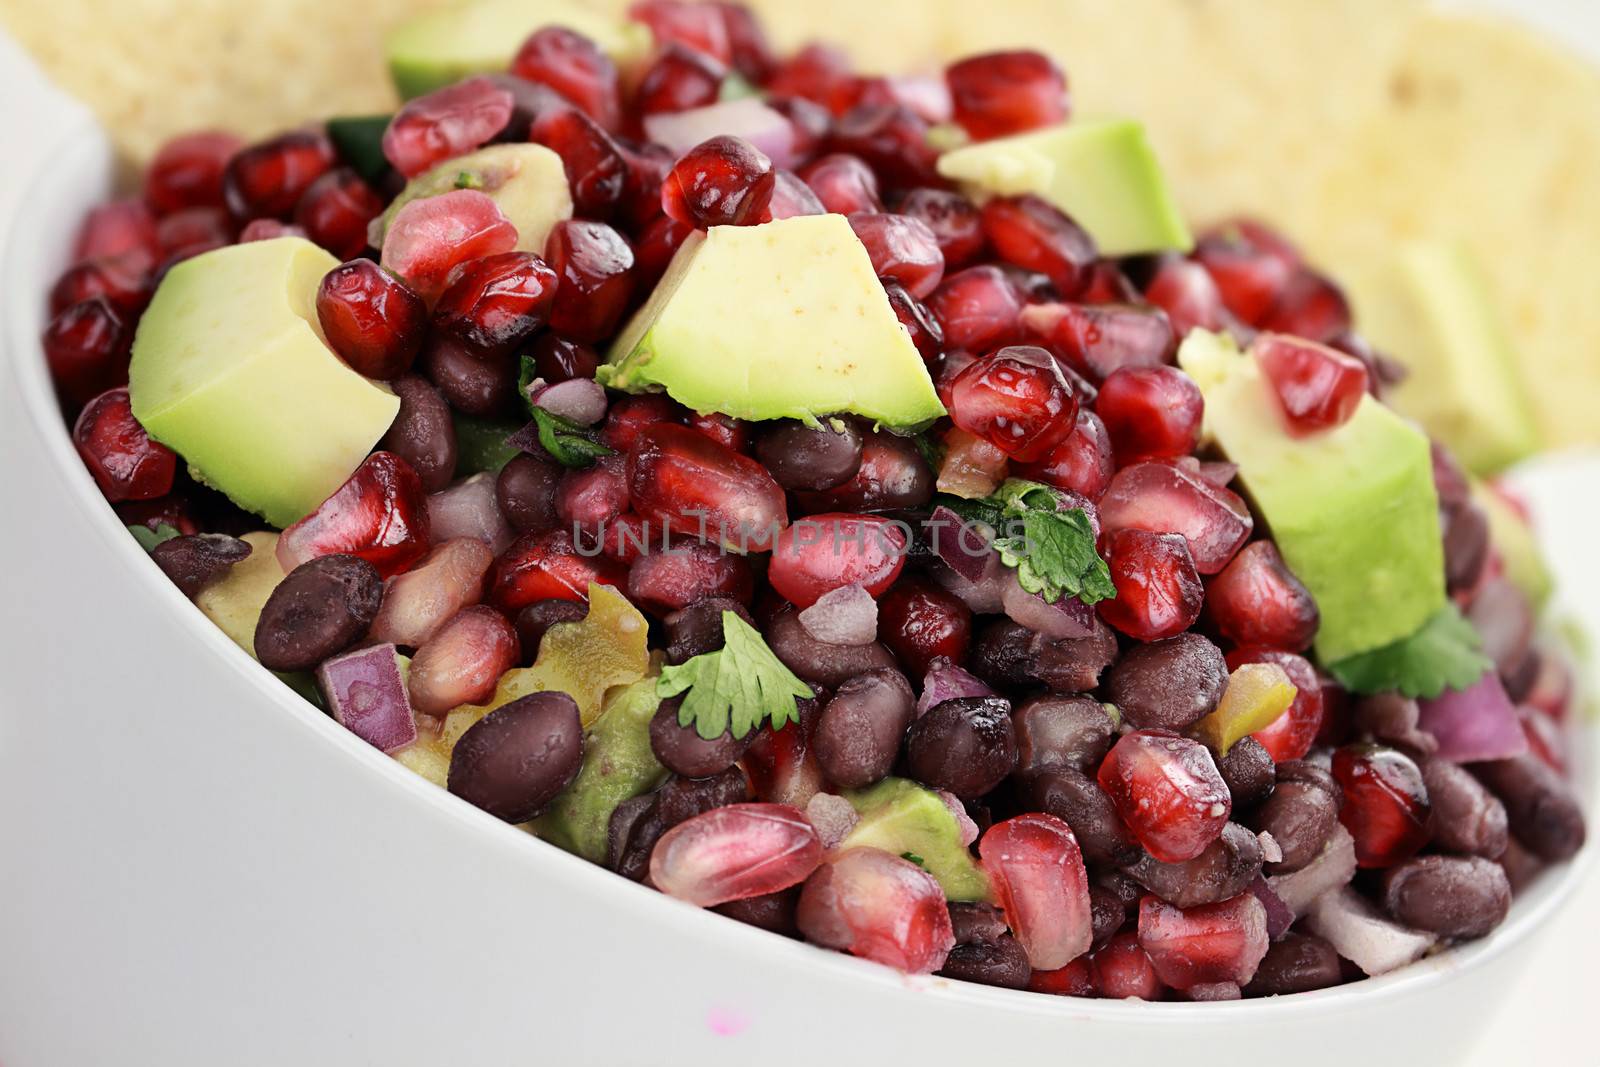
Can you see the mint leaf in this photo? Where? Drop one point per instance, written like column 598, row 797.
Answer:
column 742, row 684
column 1446, row 653
column 148, row 539
column 1050, row 544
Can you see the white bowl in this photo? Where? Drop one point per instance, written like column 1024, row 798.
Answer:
column 198, row 868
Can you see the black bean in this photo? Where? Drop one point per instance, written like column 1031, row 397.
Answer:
column 1072, row 731
column 683, row 751
column 1249, row 772
column 322, row 608
column 697, row 629
column 678, row 799
column 1000, row 963
column 859, row 734
column 1077, row 799
column 976, row 921
column 423, row 434
column 1125, row 889
column 1300, row 814
column 1001, row 654
column 1466, row 545
column 1072, row 665
column 1540, row 808
column 810, row 457
column 1452, row 896
column 195, row 561
column 770, row 911
column 1170, row 684
column 518, row 758
column 535, row 620
column 817, row 661
column 1503, row 616
column 1297, row 964
column 1467, row 818
column 472, row 384
column 1107, row 912
column 526, row 492
column 1226, row 867
column 1392, row 719
column 966, row 746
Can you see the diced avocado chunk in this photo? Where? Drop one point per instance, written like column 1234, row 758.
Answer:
column 782, row 320
column 1432, row 309
column 235, row 600
column 444, row 45
column 1519, row 549
column 231, row 372
column 481, row 444
column 1103, row 173
column 618, row 764
column 902, row 817
column 1353, row 509
column 526, row 181
column 359, row 141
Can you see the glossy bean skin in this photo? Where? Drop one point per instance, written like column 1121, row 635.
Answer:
column 1467, row 818
column 321, row 608
column 195, row 561
column 1225, row 869
column 1076, row 799
column 1249, row 772
column 518, row 758
column 1072, row 731
column 1452, row 896
column 1001, row 963
column 859, row 734
column 966, row 746
column 1299, row 963
column 1169, row 684
column 684, row 752
column 773, row 912
column 1300, row 814
column 1540, row 808
column 677, row 800
column 422, row 433
column 525, row 489
column 802, row 457
column 697, row 629
column 817, row 661
column 535, row 620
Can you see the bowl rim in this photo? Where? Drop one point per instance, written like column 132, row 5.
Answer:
column 82, row 148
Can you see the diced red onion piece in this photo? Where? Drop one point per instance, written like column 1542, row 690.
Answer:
column 1067, row 618
column 964, row 824
column 1474, row 724
column 1334, row 866
column 367, row 696
column 1356, row 930
column 833, row 817
column 1270, row 850
column 1279, row 917
column 945, row 681
column 579, row 400
column 962, row 547
column 746, row 117
column 983, row 596
column 469, row 509
column 844, row 616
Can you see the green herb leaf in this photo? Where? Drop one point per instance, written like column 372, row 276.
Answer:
column 481, row 444
column 1050, row 544
column 1446, row 653
column 742, row 684
column 914, row 858
column 148, row 539
column 568, row 443
column 359, row 142
column 468, row 180
column 932, row 451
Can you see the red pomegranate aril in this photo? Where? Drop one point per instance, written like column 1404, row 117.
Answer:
column 120, row 228
column 268, row 230
column 782, row 766
column 1257, row 600
column 1150, row 413
column 921, row 621
column 1017, row 399
column 1168, row 791
column 86, row 349
column 1097, row 340
column 1083, row 462
column 589, row 498
column 1032, row 234
column 1386, row 807
column 655, row 246
column 878, row 906
column 1221, row 942
column 1074, row 980
column 843, row 183
column 1186, row 292
column 821, row 553
column 1310, row 306
column 669, row 579
column 172, row 510
column 1036, row 868
column 648, row 166
column 926, row 333
column 691, row 485
column 956, row 222
column 117, row 279
column 978, row 309
column 818, row 72
column 335, row 212
column 194, row 230
column 892, row 139
column 892, row 475
column 596, row 166
column 702, row 27
column 903, row 249
column 371, row 319
column 1107, row 284
column 709, row 184
column 268, row 179
column 1121, row 970
column 725, row 430
column 735, row 852
column 380, row 514
column 446, row 122
column 681, row 78
column 497, row 302
column 627, row 538
column 595, row 266
column 928, row 97
column 575, row 67
column 125, row 462
column 1318, row 388
column 548, row 566
column 1250, row 276
column 1158, row 589
column 1002, row 93
column 750, row 52
column 187, row 171
column 1293, row 733
column 430, row 236
column 630, row 416
column 1165, row 498
column 462, row 661
column 424, row 598
column 778, row 194
column 809, row 123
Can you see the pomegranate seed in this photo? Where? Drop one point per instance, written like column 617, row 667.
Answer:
column 1221, row 942
column 86, row 349
column 1097, row 340
column 627, row 537
column 596, row 166
column 1150, row 413
column 630, row 416
column 1032, row 234
column 125, row 462
column 783, row 768
column 672, row 579
column 1108, row 285
column 1310, row 306
column 497, row 302
column 462, row 661
column 1184, row 290
column 1386, row 807
column 903, row 249
column 187, row 233
column 1293, row 733
column 655, row 247
column 701, row 27
column 187, row 172
column 170, row 511
column 691, row 485
column 892, row 139
column 809, row 125
column 892, row 475
column 843, row 183
column 430, row 236
column 1082, row 463
column 335, row 212
column 575, row 67
column 445, row 123
column 120, row 228
column 819, row 73
column 595, row 267
column 921, row 621
column 1073, row 980
column 926, row 97
column 548, row 566
column 1039, row 880
column 1121, row 969
column 1158, row 589
column 1257, row 600
column 1319, row 388
column 880, row 907
column 268, row 179
column 1007, row 92
column 371, row 319
column 124, row 287
column 709, row 184
column 588, row 499
column 735, row 852
column 779, row 194
column 1250, row 276
column 418, row 602
column 648, row 167
column 956, row 222
column 1164, row 498
column 725, row 430
column 821, row 553
column 1017, row 399
column 978, row 309
column 681, row 78
column 1168, row 792
column 380, row 514
column 268, row 230
column 926, row 333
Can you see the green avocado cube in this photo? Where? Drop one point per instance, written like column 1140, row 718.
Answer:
column 1103, row 173
column 902, row 817
column 527, row 182
column 1353, row 509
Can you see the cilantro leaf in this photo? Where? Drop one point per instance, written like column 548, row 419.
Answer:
column 568, row 443
column 742, row 684
column 1050, row 544
column 148, row 539
column 914, row 858
column 1446, row 653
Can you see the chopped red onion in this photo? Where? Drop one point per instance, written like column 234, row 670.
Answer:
column 963, row 546
column 469, row 509
column 982, row 596
column 833, row 817
column 1279, row 917
column 746, row 117
column 945, row 681
column 1218, row 473
column 964, row 824
column 578, row 400
column 367, row 696
column 1271, row 852
column 1474, row 724
column 844, row 616
column 1356, row 930
column 1067, row 618
column 1334, row 866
